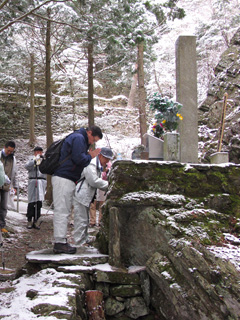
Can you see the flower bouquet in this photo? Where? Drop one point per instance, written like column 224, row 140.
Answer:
column 167, row 114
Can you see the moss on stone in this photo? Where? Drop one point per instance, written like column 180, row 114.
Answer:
column 45, row 309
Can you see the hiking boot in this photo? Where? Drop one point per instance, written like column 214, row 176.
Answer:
column 36, row 224
column 64, row 248
column 29, row 225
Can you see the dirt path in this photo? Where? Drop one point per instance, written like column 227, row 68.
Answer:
column 19, row 240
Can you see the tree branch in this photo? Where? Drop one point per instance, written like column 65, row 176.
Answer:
column 55, row 21
column 26, row 14
column 3, row 4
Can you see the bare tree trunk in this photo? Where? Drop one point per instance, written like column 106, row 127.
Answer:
column 48, row 101
column 48, row 84
column 73, row 104
column 156, row 80
column 90, row 85
column 32, row 103
column 133, row 90
column 141, row 94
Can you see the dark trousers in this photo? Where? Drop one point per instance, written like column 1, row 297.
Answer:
column 3, row 207
column 34, row 210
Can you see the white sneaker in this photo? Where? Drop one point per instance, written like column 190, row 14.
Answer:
column 37, row 224
column 29, row 225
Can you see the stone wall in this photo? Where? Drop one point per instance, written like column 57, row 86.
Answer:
column 167, row 216
column 14, row 120
column 15, row 114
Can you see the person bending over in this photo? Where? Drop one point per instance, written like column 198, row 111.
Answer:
column 75, row 156
column 90, row 181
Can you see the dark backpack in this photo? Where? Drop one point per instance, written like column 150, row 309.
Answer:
column 50, row 161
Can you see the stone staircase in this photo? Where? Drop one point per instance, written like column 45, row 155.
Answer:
column 126, row 291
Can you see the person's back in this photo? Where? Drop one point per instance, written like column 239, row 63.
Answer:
column 74, row 150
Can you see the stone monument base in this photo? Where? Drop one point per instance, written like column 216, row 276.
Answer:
column 219, row 157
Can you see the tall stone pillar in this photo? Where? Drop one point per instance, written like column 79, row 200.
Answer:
column 186, row 83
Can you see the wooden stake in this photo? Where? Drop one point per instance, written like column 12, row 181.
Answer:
column 222, row 122
column 94, row 303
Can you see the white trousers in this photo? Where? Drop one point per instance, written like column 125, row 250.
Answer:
column 81, row 220
column 63, row 191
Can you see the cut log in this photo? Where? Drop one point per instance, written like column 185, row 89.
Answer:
column 94, row 304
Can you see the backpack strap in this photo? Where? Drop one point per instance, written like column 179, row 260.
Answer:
column 80, row 180
column 68, row 157
column 83, row 178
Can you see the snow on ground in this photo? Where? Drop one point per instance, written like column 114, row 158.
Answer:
column 16, row 306
column 119, row 144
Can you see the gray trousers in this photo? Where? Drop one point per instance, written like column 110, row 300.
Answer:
column 3, row 207
column 81, row 221
column 63, row 191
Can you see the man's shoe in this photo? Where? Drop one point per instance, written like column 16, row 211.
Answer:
column 64, row 248
column 36, row 224
column 29, row 225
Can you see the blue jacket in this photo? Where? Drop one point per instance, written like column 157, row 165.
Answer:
column 77, row 145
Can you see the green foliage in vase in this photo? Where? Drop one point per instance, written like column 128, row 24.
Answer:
column 167, row 114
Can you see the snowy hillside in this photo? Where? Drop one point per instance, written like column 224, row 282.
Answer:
column 214, row 23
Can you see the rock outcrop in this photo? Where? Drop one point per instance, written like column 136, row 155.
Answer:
column 168, row 217
column 227, row 79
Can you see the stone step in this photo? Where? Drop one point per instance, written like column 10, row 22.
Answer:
column 107, row 273
column 83, row 257
column 7, row 274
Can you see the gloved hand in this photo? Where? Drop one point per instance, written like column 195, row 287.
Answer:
column 13, row 191
column 38, row 159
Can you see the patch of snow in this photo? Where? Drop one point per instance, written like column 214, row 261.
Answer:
column 175, row 286
column 138, row 196
column 227, row 252
column 98, row 267
column 231, row 238
column 166, row 275
column 17, row 306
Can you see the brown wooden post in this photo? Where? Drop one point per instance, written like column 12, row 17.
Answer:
column 94, row 304
column 221, row 130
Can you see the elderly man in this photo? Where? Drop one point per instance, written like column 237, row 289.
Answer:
column 90, row 181
column 76, row 154
column 10, row 167
column 37, row 184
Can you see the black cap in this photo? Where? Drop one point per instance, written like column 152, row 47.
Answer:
column 38, row 149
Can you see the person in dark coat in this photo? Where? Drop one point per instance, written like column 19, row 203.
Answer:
column 77, row 155
column 37, row 183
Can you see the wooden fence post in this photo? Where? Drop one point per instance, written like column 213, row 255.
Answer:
column 94, row 305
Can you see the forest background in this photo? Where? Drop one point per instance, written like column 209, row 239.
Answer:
column 77, row 53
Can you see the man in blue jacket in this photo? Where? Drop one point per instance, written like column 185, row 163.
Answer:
column 76, row 155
